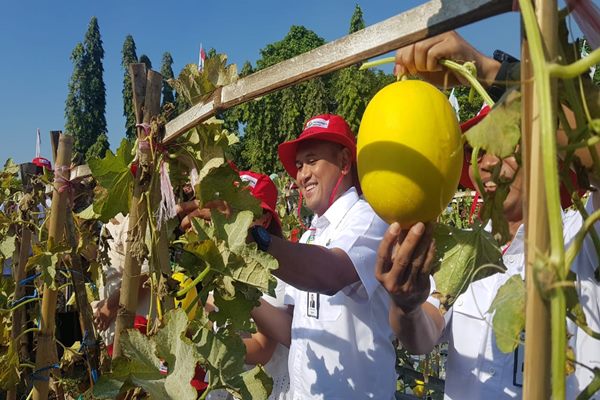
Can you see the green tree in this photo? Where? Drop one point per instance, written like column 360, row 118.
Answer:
column 280, row 116
column 129, row 56
column 86, row 102
column 353, row 88
column 74, row 107
column 144, row 59
column 98, row 149
column 166, row 70
column 357, row 22
column 467, row 108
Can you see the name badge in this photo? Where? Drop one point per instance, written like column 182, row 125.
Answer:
column 312, row 305
column 519, row 362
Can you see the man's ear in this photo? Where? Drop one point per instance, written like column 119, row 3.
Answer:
column 346, row 161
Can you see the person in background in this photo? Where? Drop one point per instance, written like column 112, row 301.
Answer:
column 260, row 349
column 476, row 368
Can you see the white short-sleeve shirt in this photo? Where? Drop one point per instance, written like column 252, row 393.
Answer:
column 476, row 368
column 342, row 344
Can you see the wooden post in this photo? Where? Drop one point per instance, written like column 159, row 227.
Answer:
column 54, row 135
column 19, row 316
column 46, row 355
column 146, row 97
column 537, row 379
column 86, row 320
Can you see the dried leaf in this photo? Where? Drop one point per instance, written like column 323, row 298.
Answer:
column 9, row 373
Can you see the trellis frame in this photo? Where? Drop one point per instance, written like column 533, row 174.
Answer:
column 429, row 19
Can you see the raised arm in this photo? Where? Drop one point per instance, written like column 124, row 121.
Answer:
column 404, row 263
column 311, row 267
column 422, row 58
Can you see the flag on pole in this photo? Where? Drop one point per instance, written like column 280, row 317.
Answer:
column 584, row 53
column 201, row 58
column 454, row 102
column 38, row 144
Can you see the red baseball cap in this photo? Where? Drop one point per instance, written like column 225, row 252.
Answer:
column 263, row 188
column 465, row 180
column 42, row 162
column 326, row 127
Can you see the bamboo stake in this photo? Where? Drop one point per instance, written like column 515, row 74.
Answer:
column 146, row 97
column 19, row 315
column 85, row 311
column 537, row 375
column 46, row 348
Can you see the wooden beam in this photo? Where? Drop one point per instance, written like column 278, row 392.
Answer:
column 426, row 20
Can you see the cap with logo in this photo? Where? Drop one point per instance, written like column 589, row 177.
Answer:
column 326, row 127
column 42, row 162
column 263, row 188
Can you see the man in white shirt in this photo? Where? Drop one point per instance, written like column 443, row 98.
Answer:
column 476, row 368
column 337, row 325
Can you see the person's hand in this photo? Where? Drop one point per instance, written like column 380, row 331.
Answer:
column 422, row 58
column 404, row 262
column 190, row 209
column 105, row 315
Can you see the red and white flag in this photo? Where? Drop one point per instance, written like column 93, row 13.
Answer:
column 201, row 58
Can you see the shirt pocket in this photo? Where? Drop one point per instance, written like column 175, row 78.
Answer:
column 330, row 307
column 468, row 305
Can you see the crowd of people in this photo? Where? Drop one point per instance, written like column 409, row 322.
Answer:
column 353, row 285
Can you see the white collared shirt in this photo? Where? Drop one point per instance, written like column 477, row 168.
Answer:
column 345, row 350
column 476, row 368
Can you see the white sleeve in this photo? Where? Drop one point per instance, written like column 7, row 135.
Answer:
column 359, row 238
column 289, row 295
column 434, row 301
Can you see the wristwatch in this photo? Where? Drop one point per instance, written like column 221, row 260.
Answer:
column 261, row 237
column 505, row 76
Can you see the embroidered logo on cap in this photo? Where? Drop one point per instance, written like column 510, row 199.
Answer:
column 318, row 122
column 250, row 179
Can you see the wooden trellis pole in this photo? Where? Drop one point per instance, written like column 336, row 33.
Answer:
column 146, row 98
column 19, row 316
column 86, row 321
column 45, row 356
column 429, row 19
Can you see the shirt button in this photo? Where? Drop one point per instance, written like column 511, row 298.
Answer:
column 492, row 371
column 459, row 303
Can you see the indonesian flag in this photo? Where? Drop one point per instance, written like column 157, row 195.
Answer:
column 201, row 58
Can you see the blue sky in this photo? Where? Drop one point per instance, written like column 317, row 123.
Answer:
column 37, row 37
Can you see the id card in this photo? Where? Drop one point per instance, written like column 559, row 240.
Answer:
column 519, row 362
column 312, row 305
